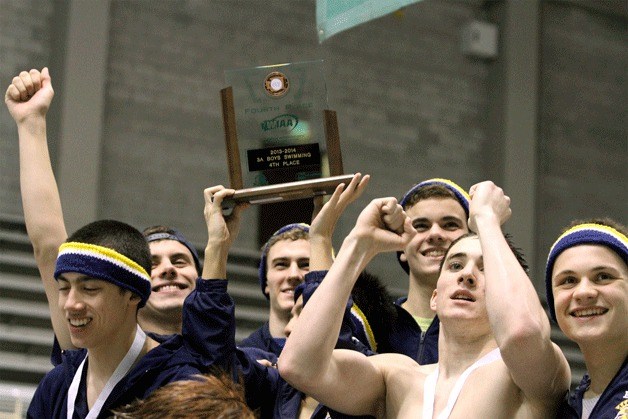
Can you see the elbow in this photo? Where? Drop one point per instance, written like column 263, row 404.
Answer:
column 526, row 333
column 46, row 250
column 290, row 370
column 296, row 374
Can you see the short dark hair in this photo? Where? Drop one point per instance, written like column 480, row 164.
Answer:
column 203, row 396
column 515, row 250
column 373, row 299
column 427, row 192
column 116, row 235
column 163, row 232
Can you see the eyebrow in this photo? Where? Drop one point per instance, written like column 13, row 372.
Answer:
column 82, row 278
column 174, row 255
column 284, row 258
column 596, row 269
column 445, row 218
column 463, row 255
column 457, row 255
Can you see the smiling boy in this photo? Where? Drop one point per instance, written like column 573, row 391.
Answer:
column 495, row 357
column 284, row 262
column 175, row 265
column 587, row 294
column 438, row 209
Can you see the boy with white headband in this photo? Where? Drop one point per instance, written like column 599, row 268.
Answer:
column 587, row 294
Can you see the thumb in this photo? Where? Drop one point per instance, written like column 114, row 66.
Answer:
column 46, row 81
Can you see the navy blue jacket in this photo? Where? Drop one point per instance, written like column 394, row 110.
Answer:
column 265, row 390
column 613, row 400
column 406, row 337
column 176, row 358
column 262, row 339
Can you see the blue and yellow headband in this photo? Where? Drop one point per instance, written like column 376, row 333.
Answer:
column 588, row 233
column 106, row 264
column 461, row 196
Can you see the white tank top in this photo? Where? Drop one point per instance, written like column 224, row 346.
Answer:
column 429, row 391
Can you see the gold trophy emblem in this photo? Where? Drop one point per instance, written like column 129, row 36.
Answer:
column 276, row 84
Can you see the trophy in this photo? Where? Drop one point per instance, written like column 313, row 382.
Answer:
column 281, row 139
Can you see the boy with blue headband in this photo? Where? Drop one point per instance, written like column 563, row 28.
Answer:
column 283, row 264
column 95, row 284
column 496, row 359
column 103, row 281
column 175, row 264
column 439, row 209
column 587, row 294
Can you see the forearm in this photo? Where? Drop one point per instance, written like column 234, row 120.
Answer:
column 321, row 252
column 513, row 306
column 40, row 195
column 42, row 213
column 520, row 326
column 215, row 261
column 209, row 323
column 306, row 357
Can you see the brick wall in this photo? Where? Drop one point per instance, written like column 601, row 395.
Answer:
column 583, row 142
column 24, row 35
column 409, row 104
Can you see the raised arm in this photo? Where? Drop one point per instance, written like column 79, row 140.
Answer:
column 324, row 223
column 221, row 232
column 28, row 98
column 209, row 312
column 519, row 323
column 346, row 381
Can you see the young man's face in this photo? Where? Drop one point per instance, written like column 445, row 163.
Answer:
column 95, row 310
column 459, row 293
column 438, row 222
column 589, row 284
column 288, row 261
column 173, row 275
column 294, row 316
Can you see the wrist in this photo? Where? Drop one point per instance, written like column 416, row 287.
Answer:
column 320, row 239
column 486, row 219
column 359, row 247
column 32, row 123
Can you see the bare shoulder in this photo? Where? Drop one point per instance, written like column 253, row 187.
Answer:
column 400, row 370
column 405, row 380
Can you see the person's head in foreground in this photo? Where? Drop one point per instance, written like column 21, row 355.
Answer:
column 207, row 396
column 102, row 273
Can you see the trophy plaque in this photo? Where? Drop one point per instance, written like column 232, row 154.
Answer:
column 282, row 141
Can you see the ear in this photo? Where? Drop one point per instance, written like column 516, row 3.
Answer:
column 433, row 300
column 134, row 299
column 266, row 289
column 402, row 257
